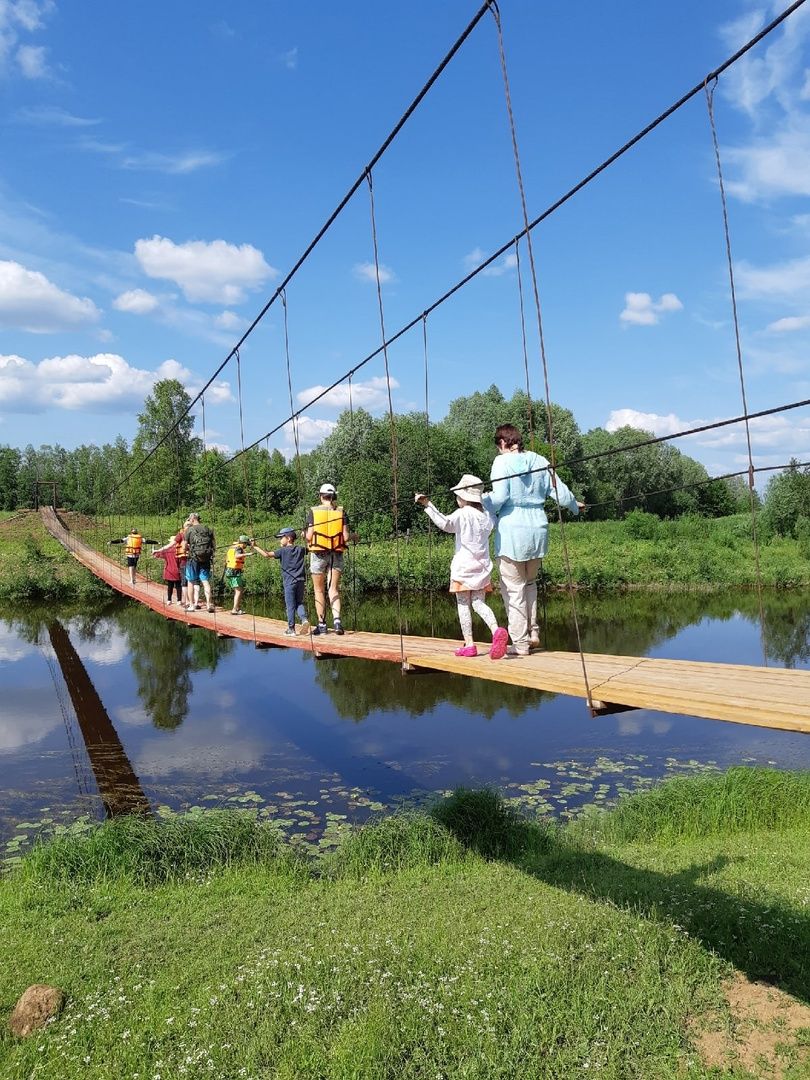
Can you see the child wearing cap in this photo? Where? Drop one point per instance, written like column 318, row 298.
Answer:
column 235, row 571
column 471, row 568
column 291, row 560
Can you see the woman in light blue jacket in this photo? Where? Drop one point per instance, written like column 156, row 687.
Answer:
column 521, row 483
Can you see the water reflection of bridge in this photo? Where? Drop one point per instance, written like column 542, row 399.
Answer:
column 118, row 784
column 764, row 696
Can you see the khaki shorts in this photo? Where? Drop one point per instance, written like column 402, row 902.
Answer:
column 321, row 562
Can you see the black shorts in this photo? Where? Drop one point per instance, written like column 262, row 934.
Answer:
column 132, row 560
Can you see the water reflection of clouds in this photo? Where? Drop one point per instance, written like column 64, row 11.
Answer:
column 635, row 723
column 134, row 715
column 110, row 649
column 217, row 746
column 12, row 647
column 28, row 716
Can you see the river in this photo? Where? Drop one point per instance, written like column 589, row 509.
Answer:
column 115, row 709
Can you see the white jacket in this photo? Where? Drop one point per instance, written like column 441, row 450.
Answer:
column 471, row 565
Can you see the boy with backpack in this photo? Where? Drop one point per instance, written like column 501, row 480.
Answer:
column 202, row 545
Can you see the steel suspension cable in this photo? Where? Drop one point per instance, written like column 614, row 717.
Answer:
column 391, row 418
column 543, row 357
column 429, row 477
column 740, row 367
column 530, row 410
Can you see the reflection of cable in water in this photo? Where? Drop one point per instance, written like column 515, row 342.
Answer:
column 79, row 763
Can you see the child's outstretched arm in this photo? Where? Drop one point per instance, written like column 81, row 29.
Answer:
column 440, row 520
column 261, row 551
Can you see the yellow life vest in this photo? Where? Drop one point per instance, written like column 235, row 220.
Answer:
column 134, row 544
column 181, row 548
column 327, row 529
column 235, row 558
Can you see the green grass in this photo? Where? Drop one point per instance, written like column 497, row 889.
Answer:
column 470, row 943
column 33, row 566
column 689, row 552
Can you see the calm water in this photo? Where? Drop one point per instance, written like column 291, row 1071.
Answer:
column 116, row 708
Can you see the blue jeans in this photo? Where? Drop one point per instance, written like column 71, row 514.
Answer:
column 294, row 601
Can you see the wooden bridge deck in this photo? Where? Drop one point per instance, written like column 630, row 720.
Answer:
column 767, row 697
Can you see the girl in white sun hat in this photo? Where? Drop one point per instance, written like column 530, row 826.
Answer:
column 471, row 568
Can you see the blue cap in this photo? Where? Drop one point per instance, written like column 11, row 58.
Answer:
column 286, row 531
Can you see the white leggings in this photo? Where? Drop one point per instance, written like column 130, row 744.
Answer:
column 469, row 601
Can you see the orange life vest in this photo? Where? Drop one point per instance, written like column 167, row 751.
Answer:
column 235, row 558
column 134, row 543
column 328, row 523
column 181, row 548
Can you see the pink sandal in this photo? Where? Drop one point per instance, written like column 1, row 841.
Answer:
column 467, row 650
column 499, row 641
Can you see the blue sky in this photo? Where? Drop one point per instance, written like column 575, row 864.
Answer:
column 164, row 166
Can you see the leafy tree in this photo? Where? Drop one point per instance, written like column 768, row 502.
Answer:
column 167, row 477
column 9, row 477
column 787, row 500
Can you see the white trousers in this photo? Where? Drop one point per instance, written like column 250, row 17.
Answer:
column 519, row 592
column 474, row 601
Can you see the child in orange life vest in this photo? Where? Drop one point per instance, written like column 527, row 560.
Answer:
column 327, row 538
column 471, row 568
column 170, row 553
column 134, row 546
column 235, row 571
column 293, row 574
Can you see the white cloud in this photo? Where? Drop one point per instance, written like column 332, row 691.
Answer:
column 102, row 383
column 789, row 324
column 173, row 164
column 31, row 59
column 17, row 17
column 29, row 301
column 770, row 85
column 366, row 271
column 368, row 394
column 52, row 116
column 641, row 310
column 781, row 281
column 290, row 58
column 136, row 301
column 229, row 320
column 310, row 432
column 497, row 269
column 211, row 272
column 787, row 433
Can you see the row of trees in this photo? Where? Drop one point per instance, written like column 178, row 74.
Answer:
column 357, row 457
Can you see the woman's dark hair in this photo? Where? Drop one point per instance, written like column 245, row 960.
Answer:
column 510, row 434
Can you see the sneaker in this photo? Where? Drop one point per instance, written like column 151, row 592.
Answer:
column 499, row 642
column 289, row 632
column 320, row 629
column 304, row 628
column 236, row 611
column 169, row 603
column 210, row 609
column 534, row 639
column 339, row 627
column 512, row 651
column 467, row 650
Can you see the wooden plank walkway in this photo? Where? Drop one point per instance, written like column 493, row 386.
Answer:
column 767, row 697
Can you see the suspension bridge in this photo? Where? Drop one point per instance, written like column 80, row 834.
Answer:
column 763, row 696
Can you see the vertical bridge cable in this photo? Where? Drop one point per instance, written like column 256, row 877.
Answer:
column 354, row 552
column 394, row 454
column 244, row 468
column 529, row 407
column 740, row 368
column 429, row 476
column 294, row 421
column 564, row 542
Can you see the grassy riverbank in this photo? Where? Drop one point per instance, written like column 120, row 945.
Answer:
column 468, row 942
column 640, row 552
column 33, row 566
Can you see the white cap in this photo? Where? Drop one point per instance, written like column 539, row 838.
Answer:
column 470, row 488
column 327, row 489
